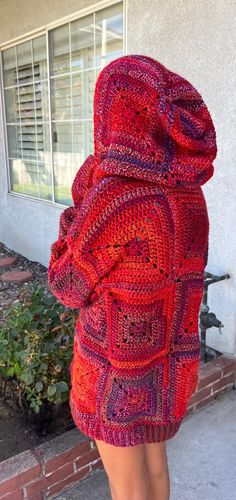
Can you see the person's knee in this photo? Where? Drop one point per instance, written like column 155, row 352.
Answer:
column 126, row 471
column 160, row 468
column 132, row 485
column 135, row 489
column 157, row 463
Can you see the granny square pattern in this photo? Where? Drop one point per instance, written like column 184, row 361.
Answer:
column 131, row 254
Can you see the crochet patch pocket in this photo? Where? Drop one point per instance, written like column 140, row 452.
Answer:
column 186, row 383
column 84, row 381
column 138, row 332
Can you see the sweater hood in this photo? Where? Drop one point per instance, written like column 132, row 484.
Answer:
column 151, row 124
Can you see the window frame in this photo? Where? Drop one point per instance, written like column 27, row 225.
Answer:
column 45, row 31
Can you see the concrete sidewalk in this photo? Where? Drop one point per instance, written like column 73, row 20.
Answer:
column 202, row 458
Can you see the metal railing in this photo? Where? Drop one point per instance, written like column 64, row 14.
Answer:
column 208, row 319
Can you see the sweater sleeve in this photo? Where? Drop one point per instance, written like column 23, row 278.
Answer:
column 86, row 253
column 82, row 181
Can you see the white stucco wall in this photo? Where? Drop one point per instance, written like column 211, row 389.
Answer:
column 29, row 226
column 196, row 39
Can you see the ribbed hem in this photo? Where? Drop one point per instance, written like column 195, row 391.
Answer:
column 146, row 433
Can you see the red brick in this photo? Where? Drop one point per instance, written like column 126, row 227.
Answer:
column 97, row 465
column 14, row 495
column 7, row 261
column 226, row 380
column 36, row 496
column 18, row 470
column 201, row 394
column 230, row 366
column 86, row 458
column 70, row 480
column 41, row 484
column 66, row 457
column 17, row 276
column 223, row 361
column 62, row 472
column 222, row 391
column 204, row 402
column 210, row 372
column 93, row 444
column 189, row 411
column 62, row 449
column 35, row 488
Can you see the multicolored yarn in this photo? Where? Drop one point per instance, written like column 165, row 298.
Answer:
column 131, row 254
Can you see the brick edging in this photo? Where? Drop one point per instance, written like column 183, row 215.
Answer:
column 45, row 471
column 215, row 377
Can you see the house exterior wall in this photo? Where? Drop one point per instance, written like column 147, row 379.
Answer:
column 195, row 39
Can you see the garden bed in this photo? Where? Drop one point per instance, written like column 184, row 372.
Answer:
column 9, row 292
column 19, row 430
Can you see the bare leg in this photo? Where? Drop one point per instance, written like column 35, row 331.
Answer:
column 158, row 471
column 126, row 471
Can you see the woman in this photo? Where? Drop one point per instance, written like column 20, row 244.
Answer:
column 131, row 255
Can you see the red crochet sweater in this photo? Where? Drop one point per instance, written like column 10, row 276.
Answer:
column 131, row 254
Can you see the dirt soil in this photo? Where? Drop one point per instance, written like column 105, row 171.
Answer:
column 18, row 433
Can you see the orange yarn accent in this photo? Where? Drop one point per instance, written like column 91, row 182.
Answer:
column 131, row 253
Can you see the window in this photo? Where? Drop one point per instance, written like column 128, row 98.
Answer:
column 49, row 101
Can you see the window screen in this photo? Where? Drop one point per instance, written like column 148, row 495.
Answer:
column 49, row 114
column 26, row 104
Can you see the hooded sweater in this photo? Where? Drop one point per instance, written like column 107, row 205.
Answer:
column 131, row 253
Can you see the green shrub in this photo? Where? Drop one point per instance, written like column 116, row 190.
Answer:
column 36, row 345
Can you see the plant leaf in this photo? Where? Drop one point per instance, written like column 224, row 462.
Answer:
column 52, row 390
